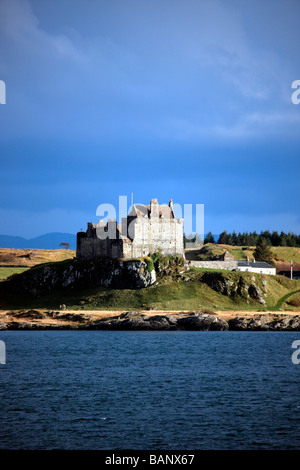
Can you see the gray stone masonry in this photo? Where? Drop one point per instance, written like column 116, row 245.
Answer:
column 146, row 230
column 228, row 265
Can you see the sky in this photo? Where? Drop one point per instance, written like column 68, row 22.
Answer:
column 182, row 99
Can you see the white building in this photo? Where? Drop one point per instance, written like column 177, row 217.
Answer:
column 256, row 267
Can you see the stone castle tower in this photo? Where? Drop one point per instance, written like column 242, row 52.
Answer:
column 145, row 230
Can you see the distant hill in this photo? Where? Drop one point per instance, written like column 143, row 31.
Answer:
column 48, row 241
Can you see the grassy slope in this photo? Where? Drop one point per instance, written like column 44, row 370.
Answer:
column 167, row 295
column 7, row 272
column 32, row 257
column 282, row 255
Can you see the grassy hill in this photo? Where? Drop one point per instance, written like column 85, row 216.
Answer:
column 282, row 255
column 194, row 289
column 18, row 260
column 188, row 290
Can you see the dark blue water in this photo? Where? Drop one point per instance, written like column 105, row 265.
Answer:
column 149, row 390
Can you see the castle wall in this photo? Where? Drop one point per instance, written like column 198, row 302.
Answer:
column 89, row 246
column 151, row 235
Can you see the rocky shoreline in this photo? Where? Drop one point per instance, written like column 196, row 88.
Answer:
column 137, row 321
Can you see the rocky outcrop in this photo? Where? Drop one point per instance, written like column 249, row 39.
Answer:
column 192, row 321
column 266, row 323
column 131, row 274
column 203, row 322
column 137, row 321
column 250, row 291
column 125, row 321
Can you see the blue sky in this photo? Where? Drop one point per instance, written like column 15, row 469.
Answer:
column 189, row 100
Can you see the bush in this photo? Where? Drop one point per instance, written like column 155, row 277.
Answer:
column 150, row 264
column 294, row 302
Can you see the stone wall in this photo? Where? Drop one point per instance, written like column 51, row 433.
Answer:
column 89, row 246
column 152, row 235
column 228, row 265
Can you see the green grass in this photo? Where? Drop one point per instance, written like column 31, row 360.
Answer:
column 281, row 254
column 284, row 299
column 169, row 294
column 9, row 271
column 241, row 254
column 183, row 296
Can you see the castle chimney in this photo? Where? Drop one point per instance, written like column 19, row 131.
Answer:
column 154, row 208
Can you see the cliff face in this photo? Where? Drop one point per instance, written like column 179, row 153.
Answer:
column 132, row 274
column 238, row 287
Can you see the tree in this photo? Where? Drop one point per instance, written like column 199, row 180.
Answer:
column 223, row 238
column 267, row 235
column 239, row 239
column 234, row 238
column 282, row 239
column 209, row 238
column 65, row 245
column 262, row 251
column 275, row 239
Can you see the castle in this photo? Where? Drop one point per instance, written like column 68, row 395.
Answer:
column 145, row 230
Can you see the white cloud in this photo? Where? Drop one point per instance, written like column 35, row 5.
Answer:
column 20, row 27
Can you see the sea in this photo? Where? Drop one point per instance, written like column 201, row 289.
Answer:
column 148, row 390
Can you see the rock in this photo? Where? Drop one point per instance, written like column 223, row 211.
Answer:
column 135, row 321
column 33, row 314
column 288, row 323
column 162, row 322
column 225, row 286
column 260, row 323
column 238, row 324
column 72, row 274
column 3, row 326
column 265, row 323
column 202, row 322
column 256, row 294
